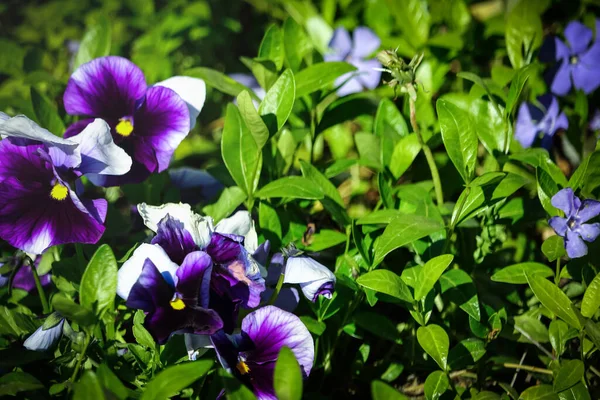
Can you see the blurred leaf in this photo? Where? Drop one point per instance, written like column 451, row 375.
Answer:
column 458, row 287
column 384, row 281
column 369, row 149
column 46, row 113
column 288, row 376
column 554, row 248
column 591, row 298
column 378, row 325
column 111, row 382
column 278, row 102
column 541, row 392
column 412, row 17
column 228, row 201
column 293, row 187
column 173, row 379
column 333, row 200
column 577, row 392
column 517, row 273
column 315, row 327
column 234, row 389
column 296, row 43
column 391, row 127
column 219, row 81
column 524, row 31
column 72, row 311
column 383, row 391
column 570, row 373
column 99, row 282
column 88, row 387
column 435, row 385
column 430, row 273
column 553, row 299
column 271, row 47
column 516, row 86
column 434, row 340
column 320, row 76
column 16, row 382
column 95, row 42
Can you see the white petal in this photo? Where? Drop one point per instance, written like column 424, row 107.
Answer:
column 310, row 289
column 42, row 340
column 131, row 270
column 240, row 223
column 191, row 90
column 200, row 227
column 304, row 270
column 100, row 154
column 197, row 345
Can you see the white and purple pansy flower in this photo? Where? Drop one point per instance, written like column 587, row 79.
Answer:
column 356, row 51
column 38, row 207
column 148, row 122
column 251, row 355
column 544, row 121
column 577, row 61
column 573, row 227
column 45, row 337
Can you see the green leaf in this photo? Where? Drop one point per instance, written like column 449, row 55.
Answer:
column 587, row 174
column 529, row 327
column 332, row 200
column 234, row 389
column 436, row 385
column 369, row 150
column 325, row 239
column 379, row 217
column 524, row 31
column 540, row 158
column 315, row 327
column 263, row 70
column 228, row 201
column 142, row 336
column 288, row 376
column 391, row 127
column 278, row 102
column 253, row 121
column 430, row 273
column 271, row 47
column 402, row 231
column 72, row 311
column 559, row 332
column 379, row 325
column 487, row 395
column 459, row 137
column 173, row 379
column 219, row 81
column 570, row 373
column 541, row 392
column 553, row 299
column 577, row 392
column 293, row 187
column 591, row 298
column 517, row 273
column 516, row 87
column 405, row 152
column 110, row 381
column 296, row 43
column 320, row 76
column 546, row 189
column 240, row 151
column 467, row 352
column 383, row 391
column 95, row 42
column 387, row 282
column 554, row 248
column 46, row 113
column 99, row 282
column 16, row 382
column 88, row 387
column 458, row 287
column 434, row 340
column 412, row 17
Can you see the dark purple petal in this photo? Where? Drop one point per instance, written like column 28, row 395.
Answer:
column 566, row 201
column 589, row 232
column 194, row 278
column 575, row 246
column 24, row 279
column 559, row 225
column 365, row 43
column 261, row 255
column 586, row 72
column 106, row 87
column 588, row 210
column 553, row 49
column 288, row 298
column 219, row 301
column 166, row 321
column 223, row 247
column 578, row 36
column 326, row 290
column 239, row 280
column 174, row 239
column 275, row 269
column 340, row 46
column 151, row 291
column 368, row 75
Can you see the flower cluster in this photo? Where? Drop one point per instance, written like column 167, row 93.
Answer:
column 194, row 277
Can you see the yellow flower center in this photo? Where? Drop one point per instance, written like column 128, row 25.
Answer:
column 177, row 304
column 59, row 192
column 243, row 368
column 124, row 127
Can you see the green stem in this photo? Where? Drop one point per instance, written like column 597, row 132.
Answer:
column 277, row 289
column 459, row 207
column 527, row 368
column 435, row 175
column 86, row 343
column 557, row 276
column 40, row 290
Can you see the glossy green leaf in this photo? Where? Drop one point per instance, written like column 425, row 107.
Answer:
column 524, row 31
column 517, row 273
column 436, row 385
column 516, row 86
column 553, row 299
column 540, row 392
column 332, row 200
column 554, row 248
column 141, row 334
column 228, row 201
column 12, row 383
column 390, row 126
column 434, row 340
column 296, row 43
column 46, row 113
column 577, row 392
column 540, row 158
column 175, row 378
column 559, row 333
column 110, row 381
column 253, row 121
column 271, row 47
column 293, row 187
column 430, row 273
column 320, row 76
column 467, row 352
column 383, row 391
column 99, row 282
column 546, row 189
column 458, row 287
column 591, row 298
column 278, row 102
column 413, row 18
column 405, row 152
column 570, row 373
column 288, row 376
column 95, row 42
column 73, row 311
column 387, row 282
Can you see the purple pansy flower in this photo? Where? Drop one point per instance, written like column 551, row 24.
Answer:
column 577, row 62
column 38, row 207
column 148, row 122
column 533, row 121
column 356, row 52
column 251, row 355
column 573, row 227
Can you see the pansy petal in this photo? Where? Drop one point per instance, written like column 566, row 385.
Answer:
column 578, row 36
column 99, row 153
column 191, row 90
column 588, row 210
column 193, row 278
column 198, row 226
column 340, row 45
column 132, row 268
column 368, row 75
column 77, row 127
column 240, row 280
column 106, row 87
column 575, row 246
column 304, row 269
column 553, row 49
column 240, row 223
column 196, row 345
column 565, row 200
column 151, row 290
column 365, row 43
column 166, row 321
column 589, row 232
column 271, row 328
column 287, row 299
column 559, row 225
column 261, row 255
column 44, row 339
column 161, row 122
column 24, row 279
column 175, row 240
column 321, row 287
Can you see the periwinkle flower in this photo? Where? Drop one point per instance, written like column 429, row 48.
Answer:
column 148, row 122
column 533, row 121
column 577, row 62
column 251, row 355
column 595, row 121
column 38, row 207
column 45, row 337
column 573, row 227
column 356, row 51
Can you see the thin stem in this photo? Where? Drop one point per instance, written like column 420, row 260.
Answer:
column 557, row 275
column 435, row 175
column 40, row 290
column 527, row 368
column 459, row 207
column 277, row 289
column 86, row 343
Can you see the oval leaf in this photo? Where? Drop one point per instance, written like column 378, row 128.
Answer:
column 293, row 187
column 591, row 298
column 174, row 379
column 516, row 273
column 288, row 376
column 387, row 282
column 99, row 282
column 553, row 299
column 434, row 340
